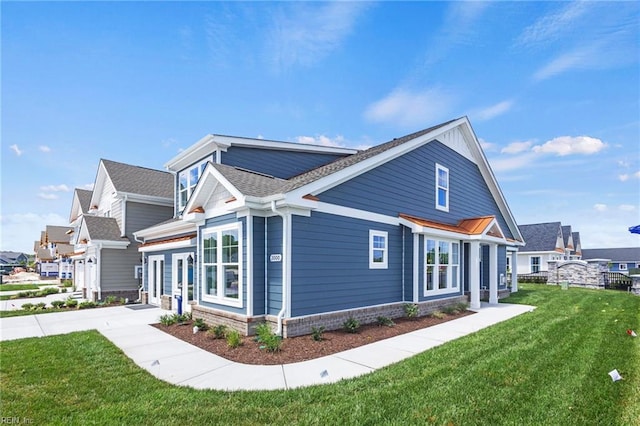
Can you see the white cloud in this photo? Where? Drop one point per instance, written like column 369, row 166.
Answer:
column 486, row 146
column 409, row 109
column 516, row 147
column 306, row 34
column 56, row 188
column 627, row 207
column 20, row 230
column 600, row 207
column 637, row 174
column 44, row 148
column 580, row 58
column 623, row 177
column 494, row 110
column 551, row 26
column 568, row 145
column 512, row 162
column 47, row 196
column 338, row 141
column 15, row 149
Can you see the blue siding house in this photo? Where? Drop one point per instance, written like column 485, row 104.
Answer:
column 300, row 235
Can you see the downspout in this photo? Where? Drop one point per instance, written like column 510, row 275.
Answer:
column 266, row 266
column 98, row 269
column 403, row 264
column 143, row 272
column 123, row 233
column 285, row 261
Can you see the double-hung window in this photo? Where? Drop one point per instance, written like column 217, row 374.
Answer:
column 222, row 265
column 378, row 249
column 442, row 266
column 187, row 181
column 535, row 264
column 442, row 188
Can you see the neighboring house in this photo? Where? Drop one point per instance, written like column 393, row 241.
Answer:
column 545, row 242
column 124, row 199
column 53, row 251
column 12, row 259
column 299, row 235
column 620, row 259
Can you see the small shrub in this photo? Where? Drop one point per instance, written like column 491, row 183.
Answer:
column 385, row 321
column 46, row 291
column 183, row 318
column 27, row 306
column 167, row 319
column 271, row 342
column 262, row 332
column 71, row 303
column 437, row 314
column 63, row 290
column 351, row 325
column 110, row 300
column 123, row 301
column 234, row 339
column 218, row 331
column 86, row 305
column 67, row 283
column 202, row 326
column 57, row 303
column 316, row 333
column 410, row 310
column 40, row 306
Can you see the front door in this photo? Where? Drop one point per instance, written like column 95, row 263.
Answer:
column 182, row 280
column 155, row 273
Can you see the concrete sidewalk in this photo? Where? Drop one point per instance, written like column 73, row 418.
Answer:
column 183, row 364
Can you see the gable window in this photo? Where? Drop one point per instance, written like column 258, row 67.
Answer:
column 187, row 181
column 535, row 264
column 442, row 266
column 622, row 267
column 378, row 249
column 442, row 188
column 222, row 265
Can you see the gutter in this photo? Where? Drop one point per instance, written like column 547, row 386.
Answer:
column 135, row 237
column 285, row 262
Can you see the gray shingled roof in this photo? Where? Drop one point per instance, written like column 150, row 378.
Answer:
column 566, row 232
column 139, row 180
column 540, row 236
column 84, row 197
column 251, row 183
column 103, row 228
column 58, row 234
column 576, row 239
column 260, row 185
column 624, row 254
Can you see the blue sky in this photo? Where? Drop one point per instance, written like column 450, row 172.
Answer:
column 552, row 90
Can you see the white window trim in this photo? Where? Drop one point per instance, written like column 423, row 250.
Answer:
column 385, row 254
column 531, row 264
column 449, row 289
column 444, row 208
column 622, row 266
column 220, row 299
column 190, row 185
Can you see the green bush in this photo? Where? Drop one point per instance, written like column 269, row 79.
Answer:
column 40, row 306
column 110, row 300
column 351, row 325
column 168, row 319
column 66, row 283
column 270, row 341
column 46, row 291
column 71, row 303
column 218, row 331
column 385, row 321
column 438, row 314
column 234, row 339
column 86, row 305
column 410, row 310
column 263, row 331
column 27, row 306
column 316, row 333
column 57, row 303
column 202, row 326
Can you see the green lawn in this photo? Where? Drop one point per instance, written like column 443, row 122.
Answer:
column 18, row 287
column 548, row 367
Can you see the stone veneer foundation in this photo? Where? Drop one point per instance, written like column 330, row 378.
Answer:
column 299, row 326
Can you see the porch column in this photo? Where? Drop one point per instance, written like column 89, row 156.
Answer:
column 493, row 273
column 474, row 274
column 514, row 272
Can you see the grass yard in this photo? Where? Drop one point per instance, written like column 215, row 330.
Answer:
column 18, row 287
column 548, row 367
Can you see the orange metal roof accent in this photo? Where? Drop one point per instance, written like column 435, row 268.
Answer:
column 231, row 200
column 169, row 240
column 198, row 209
column 311, row 197
column 471, row 226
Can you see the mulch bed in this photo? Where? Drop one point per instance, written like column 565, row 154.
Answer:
column 301, row 348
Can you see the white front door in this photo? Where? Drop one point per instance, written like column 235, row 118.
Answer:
column 155, row 272
column 182, row 267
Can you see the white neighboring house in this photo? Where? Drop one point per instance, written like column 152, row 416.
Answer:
column 545, row 242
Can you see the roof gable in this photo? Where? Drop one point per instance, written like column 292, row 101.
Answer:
column 96, row 228
column 542, row 237
column 80, row 204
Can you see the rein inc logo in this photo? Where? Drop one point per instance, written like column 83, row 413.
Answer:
column 15, row 420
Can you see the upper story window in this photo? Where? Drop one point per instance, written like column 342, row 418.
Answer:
column 187, row 181
column 442, row 188
column 378, row 249
column 622, row 267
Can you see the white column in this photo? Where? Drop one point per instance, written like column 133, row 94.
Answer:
column 474, row 274
column 514, row 272
column 493, row 273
